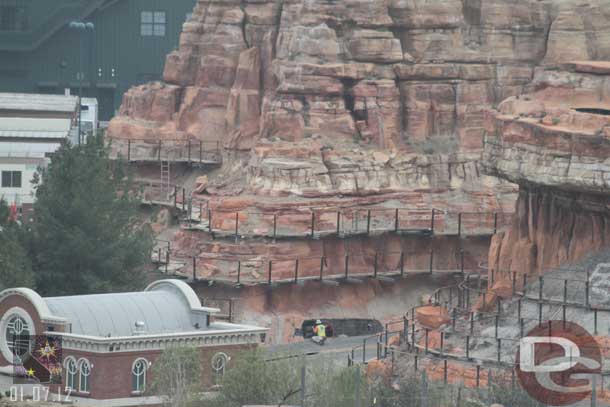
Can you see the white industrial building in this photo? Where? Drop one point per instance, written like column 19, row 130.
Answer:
column 32, row 127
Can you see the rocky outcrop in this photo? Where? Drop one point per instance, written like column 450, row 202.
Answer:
column 389, row 72
column 554, row 143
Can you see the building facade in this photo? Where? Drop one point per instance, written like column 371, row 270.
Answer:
column 109, row 342
column 31, row 128
column 40, row 53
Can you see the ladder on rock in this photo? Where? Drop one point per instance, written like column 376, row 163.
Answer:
column 165, row 189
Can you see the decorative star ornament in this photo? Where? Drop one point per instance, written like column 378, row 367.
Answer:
column 31, row 372
column 47, row 351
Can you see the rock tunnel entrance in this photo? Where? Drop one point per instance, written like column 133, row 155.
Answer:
column 343, row 326
column 593, row 110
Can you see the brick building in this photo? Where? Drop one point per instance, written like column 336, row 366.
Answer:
column 109, row 342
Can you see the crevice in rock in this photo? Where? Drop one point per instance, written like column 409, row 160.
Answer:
column 348, row 95
column 402, row 101
column 244, row 22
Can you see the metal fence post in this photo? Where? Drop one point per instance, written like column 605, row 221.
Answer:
column 338, row 223
column 432, row 221
column 270, row 270
column 236, row 226
column 467, row 347
column 200, row 151
column 402, row 264
column 431, row 260
column 238, row 272
column 313, row 221
column 274, row 226
column 128, row 150
column 194, row 268
column 321, row 268
column 346, row 265
column 375, row 266
column 396, row 220
column 495, row 222
column 296, row 270
column 462, row 261
column 368, row 222
column 159, row 152
column 460, row 224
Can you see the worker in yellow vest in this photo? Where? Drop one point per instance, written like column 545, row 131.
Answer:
column 320, row 333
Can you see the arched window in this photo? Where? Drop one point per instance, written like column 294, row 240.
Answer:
column 219, row 366
column 18, row 336
column 84, row 373
column 71, row 371
column 138, row 375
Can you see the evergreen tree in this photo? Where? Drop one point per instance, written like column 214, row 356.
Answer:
column 85, row 236
column 15, row 267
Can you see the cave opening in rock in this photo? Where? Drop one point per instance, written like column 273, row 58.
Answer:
column 593, row 110
column 343, row 327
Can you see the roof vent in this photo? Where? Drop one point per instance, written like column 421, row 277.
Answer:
column 140, row 328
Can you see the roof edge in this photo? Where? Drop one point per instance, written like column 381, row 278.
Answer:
column 41, row 307
column 187, row 293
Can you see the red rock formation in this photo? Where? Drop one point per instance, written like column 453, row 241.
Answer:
column 554, row 143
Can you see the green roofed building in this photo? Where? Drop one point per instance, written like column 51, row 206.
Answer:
column 41, row 53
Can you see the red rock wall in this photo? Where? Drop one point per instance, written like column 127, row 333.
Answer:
column 551, row 228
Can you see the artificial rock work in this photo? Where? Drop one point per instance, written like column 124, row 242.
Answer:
column 555, row 143
column 332, row 104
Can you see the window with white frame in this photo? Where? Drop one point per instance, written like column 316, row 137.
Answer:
column 138, row 376
column 17, row 335
column 219, row 366
column 153, row 23
column 84, row 375
column 71, row 371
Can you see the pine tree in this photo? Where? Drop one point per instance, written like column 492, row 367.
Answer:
column 15, row 267
column 85, row 236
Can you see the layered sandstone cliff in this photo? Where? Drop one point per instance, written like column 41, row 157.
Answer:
column 555, row 143
column 303, row 87
column 320, row 103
